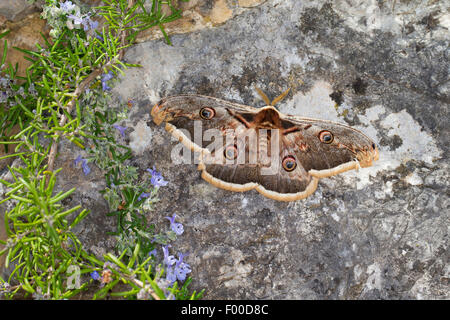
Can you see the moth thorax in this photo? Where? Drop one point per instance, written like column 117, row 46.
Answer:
column 268, row 118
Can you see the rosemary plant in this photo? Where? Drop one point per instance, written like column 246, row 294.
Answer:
column 64, row 96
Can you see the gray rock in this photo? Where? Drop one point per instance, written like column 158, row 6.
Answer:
column 380, row 233
column 15, row 10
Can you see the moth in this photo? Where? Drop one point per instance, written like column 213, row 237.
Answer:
column 281, row 156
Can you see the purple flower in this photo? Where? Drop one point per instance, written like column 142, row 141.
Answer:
column 169, row 260
column 78, row 160
column 95, row 275
column 175, row 226
column 143, row 195
column 170, row 275
column 94, row 24
column 109, row 75
column 67, row 6
column 106, row 77
column 181, row 268
column 157, row 179
column 76, row 19
column 86, row 168
column 121, row 129
column 88, row 23
column 3, row 96
column 152, row 253
column 175, row 269
column 99, row 37
column 84, row 165
column 179, row 271
column 85, row 23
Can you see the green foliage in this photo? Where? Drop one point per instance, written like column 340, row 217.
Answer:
column 40, row 243
column 65, row 95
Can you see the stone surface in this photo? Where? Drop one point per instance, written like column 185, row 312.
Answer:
column 198, row 15
column 15, row 10
column 23, row 34
column 250, row 3
column 380, row 233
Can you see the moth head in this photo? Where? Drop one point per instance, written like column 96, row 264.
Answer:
column 374, row 152
column 367, row 155
column 157, row 113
